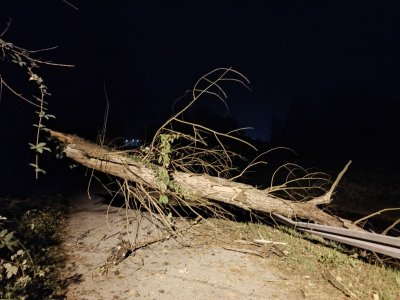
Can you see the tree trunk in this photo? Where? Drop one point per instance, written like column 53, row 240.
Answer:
column 199, row 185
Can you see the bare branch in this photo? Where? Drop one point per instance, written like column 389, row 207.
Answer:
column 375, row 214
column 5, row 29
column 2, row 82
column 70, row 4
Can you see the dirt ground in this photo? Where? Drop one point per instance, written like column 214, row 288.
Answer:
column 200, row 264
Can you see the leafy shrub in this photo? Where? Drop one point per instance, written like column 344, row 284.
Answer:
column 29, row 253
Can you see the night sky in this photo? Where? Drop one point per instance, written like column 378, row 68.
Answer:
column 338, row 62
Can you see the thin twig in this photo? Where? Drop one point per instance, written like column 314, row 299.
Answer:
column 7, row 27
column 41, row 61
column 70, row 4
column 265, row 242
column 375, row 214
column 16, row 93
column 246, row 251
column 391, row 227
column 327, row 275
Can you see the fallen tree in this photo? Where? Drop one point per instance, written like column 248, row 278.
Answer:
column 180, row 167
column 198, row 186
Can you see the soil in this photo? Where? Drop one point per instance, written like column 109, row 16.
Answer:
column 199, row 263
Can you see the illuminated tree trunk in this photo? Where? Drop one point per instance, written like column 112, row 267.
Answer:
column 199, row 185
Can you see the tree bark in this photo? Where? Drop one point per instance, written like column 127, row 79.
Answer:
column 199, row 185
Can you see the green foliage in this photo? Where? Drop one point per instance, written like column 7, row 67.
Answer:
column 28, row 250
column 37, row 169
column 39, row 147
column 163, row 176
column 164, row 158
column 164, row 199
column 22, row 57
column 332, row 258
column 7, row 240
column 41, row 224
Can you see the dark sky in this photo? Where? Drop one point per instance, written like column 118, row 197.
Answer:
column 148, row 53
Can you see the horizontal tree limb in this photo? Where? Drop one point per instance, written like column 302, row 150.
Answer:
column 200, row 185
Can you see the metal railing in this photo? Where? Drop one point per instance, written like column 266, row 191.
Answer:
column 374, row 242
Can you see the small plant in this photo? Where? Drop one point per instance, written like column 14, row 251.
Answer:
column 164, row 160
column 331, row 258
column 13, row 263
column 7, row 238
column 23, row 58
column 29, row 261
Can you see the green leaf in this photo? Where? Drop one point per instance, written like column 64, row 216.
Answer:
column 37, row 169
column 8, row 237
column 10, row 270
column 163, row 199
column 11, row 245
column 41, row 170
column 47, row 116
column 40, row 147
column 33, row 77
column 37, row 98
column 3, row 233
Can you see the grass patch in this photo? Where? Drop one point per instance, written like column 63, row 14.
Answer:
column 348, row 269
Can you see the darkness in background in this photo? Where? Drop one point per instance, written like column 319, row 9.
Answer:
column 324, row 76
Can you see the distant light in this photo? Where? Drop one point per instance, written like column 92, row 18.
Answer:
column 132, row 143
